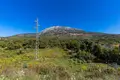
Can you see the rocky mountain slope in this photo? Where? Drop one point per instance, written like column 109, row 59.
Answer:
column 69, row 32
column 59, row 30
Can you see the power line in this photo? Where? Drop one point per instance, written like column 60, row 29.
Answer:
column 37, row 37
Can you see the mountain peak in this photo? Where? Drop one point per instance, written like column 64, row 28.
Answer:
column 57, row 30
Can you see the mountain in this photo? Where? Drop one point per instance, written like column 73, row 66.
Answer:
column 60, row 30
column 54, row 31
column 69, row 32
column 28, row 35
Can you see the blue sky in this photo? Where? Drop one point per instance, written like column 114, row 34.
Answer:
column 17, row 16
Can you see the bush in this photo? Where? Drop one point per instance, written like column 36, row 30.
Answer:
column 82, row 55
column 20, row 51
column 52, row 70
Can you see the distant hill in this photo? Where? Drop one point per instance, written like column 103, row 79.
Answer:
column 25, row 35
column 59, row 30
column 62, row 31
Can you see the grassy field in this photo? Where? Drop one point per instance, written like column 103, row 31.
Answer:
column 52, row 64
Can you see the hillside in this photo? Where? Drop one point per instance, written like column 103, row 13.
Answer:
column 53, row 64
column 64, row 54
column 61, row 32
column 67, row 31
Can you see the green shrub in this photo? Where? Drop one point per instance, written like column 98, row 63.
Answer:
column 20, row 51
column 83, row 55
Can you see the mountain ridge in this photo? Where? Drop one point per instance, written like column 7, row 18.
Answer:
column 62, row 31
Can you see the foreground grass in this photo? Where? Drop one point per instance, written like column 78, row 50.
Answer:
column 52, row 64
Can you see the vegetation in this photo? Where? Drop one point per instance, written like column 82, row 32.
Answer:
column 60, row 58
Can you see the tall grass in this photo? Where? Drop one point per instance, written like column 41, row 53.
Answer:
column 53, row 64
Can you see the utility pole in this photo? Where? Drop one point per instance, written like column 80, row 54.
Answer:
column 37, row 37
